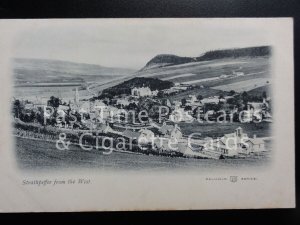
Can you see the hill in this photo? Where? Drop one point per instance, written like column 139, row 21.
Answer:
column 253, row 62
column 164, row 60
column 167, row 60
column 28, row 71
column 235, row 53
column 214, row 68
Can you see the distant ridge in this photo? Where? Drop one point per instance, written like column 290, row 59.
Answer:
column 236, row 52
column 29, row 71
column 68, row 67
column 164, row 60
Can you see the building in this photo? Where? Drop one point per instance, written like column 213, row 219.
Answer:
column 179, row 115
column 212, row 100
column 62, row 111
column 166, row 102
column 238, row 74
column 141, row 92
column 172, row 131
column 146, row 136
column 29, row 106
column 84, row 107
column 176, row 133
column 255, row 145
column 131, row 135
column 223, row 76
column 236, row 143
column 104, row 128
column 154, row 93
column 166, row 129
column 251, row 115
column 222, row 99
column 89, row 124
column 123, row 102
column 199, row 153
column 259, row 105
column 97, row 105
column 192, row 99
column 106, row 112
column 193, row 102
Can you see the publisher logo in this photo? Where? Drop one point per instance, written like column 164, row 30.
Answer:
column 233, row 179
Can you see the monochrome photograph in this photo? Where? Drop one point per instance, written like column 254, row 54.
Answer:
column 134, row 99
column 170, row 112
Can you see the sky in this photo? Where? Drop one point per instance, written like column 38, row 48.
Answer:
column 131, row 43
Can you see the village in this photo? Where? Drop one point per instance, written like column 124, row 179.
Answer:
column 152, row 120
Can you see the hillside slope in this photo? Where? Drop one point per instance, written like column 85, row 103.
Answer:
column 208, row 69
column 165, row 60
column 253, row 62
column 56, row 71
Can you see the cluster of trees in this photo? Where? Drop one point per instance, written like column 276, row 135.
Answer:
column 54, row 102
column 37, row 114
column 125, row 87
column 234, row 53
column 26, row 115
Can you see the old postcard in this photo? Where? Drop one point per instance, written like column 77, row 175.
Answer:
column 146, row 114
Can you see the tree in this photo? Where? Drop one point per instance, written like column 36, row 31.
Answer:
column 160, row 94
column 199, row 97
column 183, row 102
column 245, row 97
column 40, row 116
column 187, row 108
column 54, row 102
column 211, row 106
column 17, row 108
column 155, row 111
column 132, row 106
column 264, row 94
column 232, row 92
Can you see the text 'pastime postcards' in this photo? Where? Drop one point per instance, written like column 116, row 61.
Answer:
column 146, row 114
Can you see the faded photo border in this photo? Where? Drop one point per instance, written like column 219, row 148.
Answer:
column 113, row 191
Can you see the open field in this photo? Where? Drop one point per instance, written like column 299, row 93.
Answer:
column 246, row 85
column 208, row 69
column 43, row 156
column 258, row 91
column 178, row 76
column 44, row 93
column 44, row 78
column 219, row 82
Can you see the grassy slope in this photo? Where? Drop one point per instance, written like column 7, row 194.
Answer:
column 208, row 69
column 202, row 70
column 260, row 90
column 37, row 70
